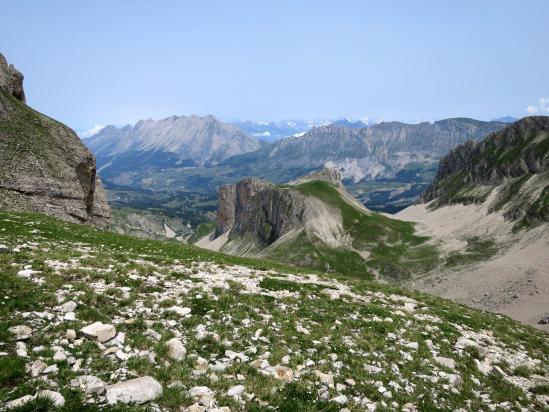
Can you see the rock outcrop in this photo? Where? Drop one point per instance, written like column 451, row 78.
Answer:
column 259, row 210
column 44, row 166
column 11, row 79
column 515, row 160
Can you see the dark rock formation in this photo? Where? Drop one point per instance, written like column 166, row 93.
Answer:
column 259, row 211
column 44, row 166
column 509, row 153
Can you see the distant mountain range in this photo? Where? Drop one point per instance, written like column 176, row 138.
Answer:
column 202, row 153
column 273, row 131
column 376, row 152
column 171, row 142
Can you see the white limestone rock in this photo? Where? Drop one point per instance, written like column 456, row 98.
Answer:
column 139, row 390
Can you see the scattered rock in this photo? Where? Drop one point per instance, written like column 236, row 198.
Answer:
column 26, row 273
column 179, row 310
column 69, row 306
column 57, row 399
column 236, row 391
column 325, row 378
column 446, row 362
column 50, row 369
column 283, row 373
column 202, row 394
column 16, row 403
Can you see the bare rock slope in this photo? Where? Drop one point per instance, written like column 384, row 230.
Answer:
column 43, row 164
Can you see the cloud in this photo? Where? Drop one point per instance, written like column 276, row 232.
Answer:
column 541, row 107
column 91, row 132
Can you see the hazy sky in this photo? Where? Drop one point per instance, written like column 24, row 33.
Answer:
column 114, row 62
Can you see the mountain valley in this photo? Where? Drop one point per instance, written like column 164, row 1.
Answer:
column 235, row 273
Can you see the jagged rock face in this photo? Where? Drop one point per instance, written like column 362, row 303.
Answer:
column 514, row 160
column 45, row 167
column 226, row 208
column 510, row 153
column 259, row 210
column 11, row 79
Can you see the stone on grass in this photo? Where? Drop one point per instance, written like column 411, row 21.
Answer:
column 179, row 310
column 202, row 394
column 447, row 362
column 326, row 378
column 16, row 403
column 57, row 399
column 21, row 332
column 26, row 273
column 176, row 350
column 283, row 373
column 89, row 384
column 69, row 306
column 37, row 367
column 139, row 390
column 50, row 369
column 236, row 391
column 21, row 349
column 99, row 331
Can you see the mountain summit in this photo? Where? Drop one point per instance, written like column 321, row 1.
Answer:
column 173, row 141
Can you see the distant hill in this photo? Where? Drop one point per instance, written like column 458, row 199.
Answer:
column 273, row 131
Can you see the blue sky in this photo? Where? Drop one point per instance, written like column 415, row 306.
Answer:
column 114, row 62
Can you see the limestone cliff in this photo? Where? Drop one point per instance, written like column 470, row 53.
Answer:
column 44, row 166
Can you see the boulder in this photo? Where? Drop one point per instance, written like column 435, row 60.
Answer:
column 176, row 350
column 139, row 390
column 99, row 331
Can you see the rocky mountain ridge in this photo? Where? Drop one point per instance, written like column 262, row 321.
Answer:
column 43, row 164
column 373, row 152
column 513, row 161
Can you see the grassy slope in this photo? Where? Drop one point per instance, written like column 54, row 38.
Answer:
column 345, row 326
column 395, row 250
